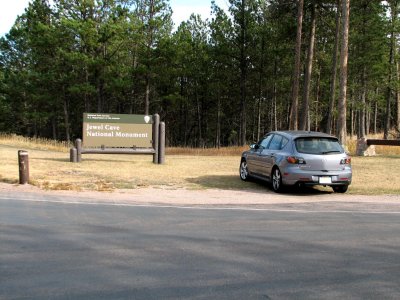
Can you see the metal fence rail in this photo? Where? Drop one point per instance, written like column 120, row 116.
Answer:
column 383, row 142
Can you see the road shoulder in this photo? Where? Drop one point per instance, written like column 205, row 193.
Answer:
column 184, row 197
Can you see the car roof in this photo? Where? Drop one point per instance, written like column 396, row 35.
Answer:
column 302, row 133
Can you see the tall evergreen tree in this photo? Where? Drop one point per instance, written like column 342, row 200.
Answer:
column 342, row 102
column 293, row 125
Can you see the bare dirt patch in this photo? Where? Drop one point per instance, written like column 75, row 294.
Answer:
column 187, row 197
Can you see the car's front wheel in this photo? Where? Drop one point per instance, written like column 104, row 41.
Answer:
column 277, row 185
column 340, row 188
column 244, row 171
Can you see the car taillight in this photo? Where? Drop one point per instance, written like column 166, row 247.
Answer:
column 295, row 160
column 346, row 161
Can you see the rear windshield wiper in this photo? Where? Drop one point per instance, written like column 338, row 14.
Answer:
column 332, row 151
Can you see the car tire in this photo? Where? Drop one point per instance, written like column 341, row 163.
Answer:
column 340, row 188
column 244, row 171
column 276, row 181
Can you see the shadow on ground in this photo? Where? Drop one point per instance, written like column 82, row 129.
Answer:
column 233, row 182
column 50, row 159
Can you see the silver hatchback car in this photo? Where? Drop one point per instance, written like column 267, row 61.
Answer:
column 287, row 158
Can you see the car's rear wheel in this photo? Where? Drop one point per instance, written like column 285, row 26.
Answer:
column 244, row 171
column 340, row 188
column 277, row 185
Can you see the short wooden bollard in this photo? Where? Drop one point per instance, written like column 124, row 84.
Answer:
column 78, row 146
column 23, row 163
column 73, row 155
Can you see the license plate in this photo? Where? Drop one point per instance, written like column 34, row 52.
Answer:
column 325, row 180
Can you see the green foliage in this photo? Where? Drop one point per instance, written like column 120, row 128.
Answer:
column 213, row 81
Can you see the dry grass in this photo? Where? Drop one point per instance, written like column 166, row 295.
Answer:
column 185, row 168
column 376, row 175
column 52, row 170
column 232, row 151
column 223, row 151
column 33, row 143
column 380, row 150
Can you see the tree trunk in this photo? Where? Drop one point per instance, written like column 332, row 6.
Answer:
column 293, row 116
column 274, row 96
column 393, row 11
column 361, row 131
column 259, row 119
column 147, row 96
column 86, row 96
column 243, row 75
column 134, row 67
column 389, row 91
column 368, row 120
column 351, row 120
column 255, row 117
column 186, row 122
column 363, row 102
column 398, row 95
column 305, row 107
column 66, row 116
column 341, row 120
column 375, row 116
column 218, row 131
column 54, row 127
column 317, row 97
column 328, row 125
column 150, row 41
column 260, row 87
column 198, row 106
column 100, row 94
column 100, row 81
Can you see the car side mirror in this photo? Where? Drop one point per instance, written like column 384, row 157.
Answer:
column 253, row 146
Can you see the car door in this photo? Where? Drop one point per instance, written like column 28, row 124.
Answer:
column 254, row 161
column 252, row 157
column 268, row 156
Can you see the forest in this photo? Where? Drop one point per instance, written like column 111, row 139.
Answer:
column 323, row 65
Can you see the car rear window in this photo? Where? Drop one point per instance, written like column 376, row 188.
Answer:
column 318, row 145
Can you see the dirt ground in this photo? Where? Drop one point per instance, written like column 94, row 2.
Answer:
column 187, row 197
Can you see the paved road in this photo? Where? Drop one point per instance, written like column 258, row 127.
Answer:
column 55, row 250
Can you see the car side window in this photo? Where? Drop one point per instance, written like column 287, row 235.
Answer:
column 284, row 142
column 276, row 142
column 264, row 142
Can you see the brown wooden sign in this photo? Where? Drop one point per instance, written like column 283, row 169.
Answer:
column 117, row 130
column 121, row 134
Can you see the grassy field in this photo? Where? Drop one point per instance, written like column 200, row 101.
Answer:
column 185, row 168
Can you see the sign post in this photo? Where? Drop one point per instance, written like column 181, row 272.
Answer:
column 156, row 130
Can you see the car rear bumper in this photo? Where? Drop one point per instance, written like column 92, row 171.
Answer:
column 295, row 176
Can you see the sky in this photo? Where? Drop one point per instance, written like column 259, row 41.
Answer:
column 182, row 9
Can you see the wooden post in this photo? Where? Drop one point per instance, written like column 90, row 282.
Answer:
column 78, row 146
column 73, row 155
column 23, row 163
column 161, row 155
column 156, row 125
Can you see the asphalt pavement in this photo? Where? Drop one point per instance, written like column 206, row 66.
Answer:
column 69, row 249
